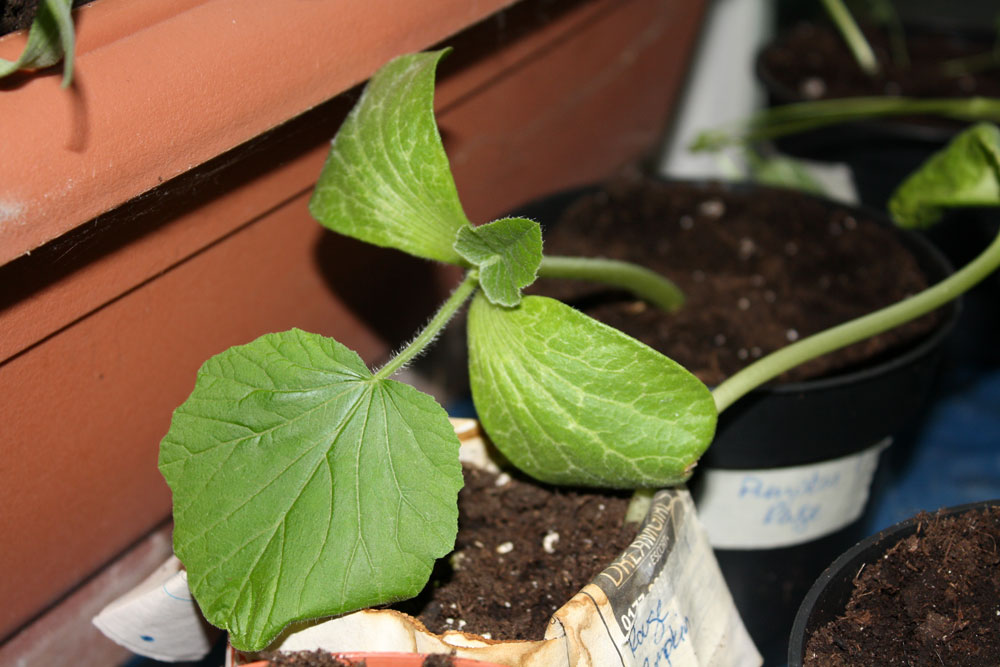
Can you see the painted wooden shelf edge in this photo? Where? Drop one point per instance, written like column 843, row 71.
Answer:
column 162, row 87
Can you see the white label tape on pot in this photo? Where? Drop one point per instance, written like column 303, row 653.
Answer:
column 662, row 602
column 781, row 507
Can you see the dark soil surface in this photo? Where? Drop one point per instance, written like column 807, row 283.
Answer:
column 811, row 61
column 933, row 599
column 18, row 14
column 325, row 659
column 758, row 272
column 522, row 551
column 309, row 659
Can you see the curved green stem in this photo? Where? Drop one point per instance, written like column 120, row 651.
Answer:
column 639, row 280
column 433, row 328
column 638, row 505
column 856, row 41
column 792, row 118
column 980, row 62
column 842, row 335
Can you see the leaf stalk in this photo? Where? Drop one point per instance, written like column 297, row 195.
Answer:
column 776, row 363
column 852, row 34
column 639, row 280
column 801, row 116
column 427, row 335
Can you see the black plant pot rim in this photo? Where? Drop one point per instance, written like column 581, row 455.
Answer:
column 848, row 564
column 911, row 239
column 899, row 128
column 950, row 312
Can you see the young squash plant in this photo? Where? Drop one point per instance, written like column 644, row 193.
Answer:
column 306, row 485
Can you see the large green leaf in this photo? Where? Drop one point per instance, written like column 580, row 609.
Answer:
column 572, row 401
column 303, row 487
column 50, row 38
column 507, row 253
column 387, row 180
column 965, row 173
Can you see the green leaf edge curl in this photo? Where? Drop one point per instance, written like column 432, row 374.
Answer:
column 507, row 253
column 645, row 428
column 387, row 180
column 51, row 38
column 965, row 173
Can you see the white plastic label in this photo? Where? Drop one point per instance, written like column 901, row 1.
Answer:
column 781, row 507
column 158, row 618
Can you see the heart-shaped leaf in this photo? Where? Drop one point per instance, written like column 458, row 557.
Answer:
column 965, row 173
column 570, row 400
column 304, row 487
column 387, row 180
column 507, row 253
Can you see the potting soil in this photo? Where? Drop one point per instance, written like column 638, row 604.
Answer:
column 934, row 598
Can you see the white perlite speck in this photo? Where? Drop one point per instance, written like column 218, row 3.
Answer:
column 505, row 548
column 712, row 208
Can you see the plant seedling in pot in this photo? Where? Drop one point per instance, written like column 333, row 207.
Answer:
column 789, row 119
column 306, row 485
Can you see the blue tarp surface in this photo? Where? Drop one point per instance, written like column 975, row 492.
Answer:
column 952, row 454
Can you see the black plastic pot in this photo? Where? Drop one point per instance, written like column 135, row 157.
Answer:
column 791, row 426
column 827, row 598
column 880, row 152
column 796, row 427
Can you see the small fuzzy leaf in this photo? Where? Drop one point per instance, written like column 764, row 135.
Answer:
column 964, row 173
column 387, row 180
column 304, row 487
column 507, row 253
column 570, row 400
column 50, row 37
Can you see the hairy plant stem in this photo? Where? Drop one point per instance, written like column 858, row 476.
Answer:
column 856, row 41
column 793, row 118
column 427, row 335
column 639, row 280
column 857, row 329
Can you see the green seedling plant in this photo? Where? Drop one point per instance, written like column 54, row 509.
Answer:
column 853, row 37
column 884, row 14
column 790, row 119
column 306, row 485
column 51, row 38
column 748, row 136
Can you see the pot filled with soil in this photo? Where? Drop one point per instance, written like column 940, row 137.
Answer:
column 307, row 485
column 547, row 576
column 327, row 659
column 921, row 592
column 782, row 488
column 811, row 62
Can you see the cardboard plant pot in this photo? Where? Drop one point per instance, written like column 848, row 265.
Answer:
column 388, row 660
column 782, row 487
column 664, row 597
column 829, row 596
